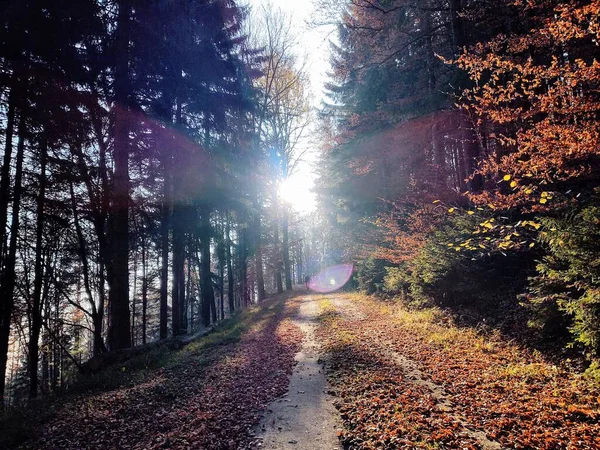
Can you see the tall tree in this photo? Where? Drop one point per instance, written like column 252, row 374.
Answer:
column 119, row 333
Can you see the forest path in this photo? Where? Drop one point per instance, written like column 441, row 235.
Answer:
column 305, row 417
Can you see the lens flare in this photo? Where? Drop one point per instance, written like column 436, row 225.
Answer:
column 331, row 279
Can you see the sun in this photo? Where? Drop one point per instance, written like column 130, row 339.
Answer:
column 296, row 191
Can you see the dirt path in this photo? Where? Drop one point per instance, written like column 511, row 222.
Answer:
column 305, row 417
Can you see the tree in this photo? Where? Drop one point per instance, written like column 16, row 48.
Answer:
column 280, row 123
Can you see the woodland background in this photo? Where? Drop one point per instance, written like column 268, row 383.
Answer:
column 144, row 143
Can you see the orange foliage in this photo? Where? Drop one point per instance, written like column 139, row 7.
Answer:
column 403, row 239
column 540, row 91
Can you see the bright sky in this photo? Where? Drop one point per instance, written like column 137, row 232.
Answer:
column 314, row 43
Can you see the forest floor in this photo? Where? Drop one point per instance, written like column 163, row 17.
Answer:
column 331, row 371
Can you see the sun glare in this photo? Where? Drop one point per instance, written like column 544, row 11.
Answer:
column 296, row 191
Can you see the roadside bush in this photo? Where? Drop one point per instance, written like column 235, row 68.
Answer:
column 435, row 274
column 566, row 289
column 370, row 274
column 394, row 281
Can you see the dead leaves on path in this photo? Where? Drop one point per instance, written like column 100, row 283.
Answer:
column 500, row 395
column 211, row 404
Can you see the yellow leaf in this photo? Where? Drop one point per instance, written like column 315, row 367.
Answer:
column 513, row 184
column 531, row 245
column 543, row 201
column 528, row 191
column 451, row 210
column 470, row 213
column 436, row 201
column 506, row 178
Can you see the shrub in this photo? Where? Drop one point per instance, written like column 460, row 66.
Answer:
column 394, row 281
column 566, row 289
column 369, row 277
column 432, row 274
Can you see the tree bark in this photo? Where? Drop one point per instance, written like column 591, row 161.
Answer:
column 119, row 335
column 8, row 279
column 243, row 266
column 36, row 307
column 144, row 290
column 208, row 295
column 276, row 245
column 178, row 264
column 5, row 181
column 165, row 225
column 286, row 249
column 230, row 292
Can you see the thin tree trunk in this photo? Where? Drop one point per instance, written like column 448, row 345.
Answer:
column 277, row 246
column 222, row 262
column 45, row 386
column 144, row 290
column 165, row 226
column 133, row 302
column 208, row 295
column 230, row 288
column 188, row 288
column 286, row 249
column 5, row 181
column 258, row 255
column 36, row 309
column 243, row 263
column 178, row 263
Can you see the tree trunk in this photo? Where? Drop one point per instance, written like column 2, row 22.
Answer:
column 133, row 300
column 222, row 263
column 208, row 295
column 470, row 145
column 8, row 279
column 36, row 308
column 277, row 246
column 5, row 181
column 178, row 265
column 286, row 249
column 258, row 254
column 119, row 335
column 144, row 290
column 230, row 292
column 165, row 226
column 458, row 36
column 243, row 266
column 188, row 288
column 45, row 363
